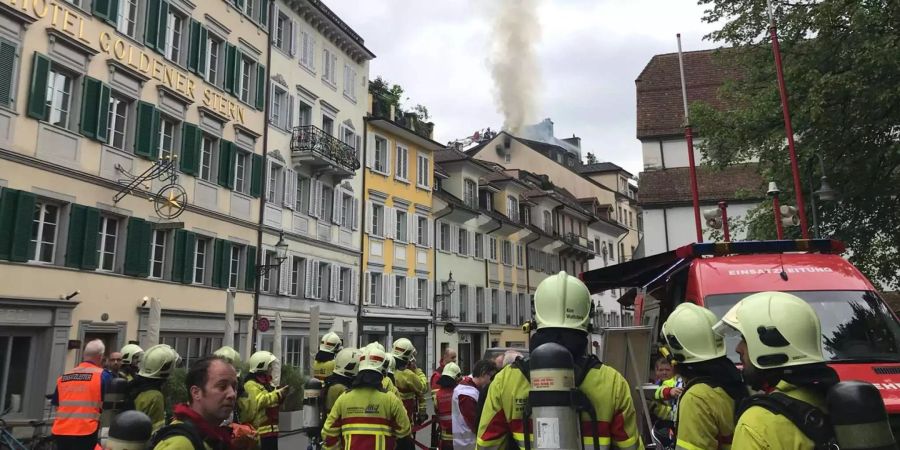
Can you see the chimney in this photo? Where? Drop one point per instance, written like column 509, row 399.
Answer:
column 575, row 141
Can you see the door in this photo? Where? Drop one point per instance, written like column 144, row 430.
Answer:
column 465, row 357
column 110, row 341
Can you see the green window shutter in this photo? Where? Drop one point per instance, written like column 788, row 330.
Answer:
column 113, row 12
column 194, row 49
column 261, row 83
column 230, row 67
column 190, row 149
column 147, row 128
column 7, row 70
column 137, row 248
column 8, row 200
column 90, row 257
column 250, row 269
column 163, row 19
column 201, row 63
column 256, row 175
column 178, row 251
column 103, row 114
column 151, row 25
column 264, row 13
column 104, row 10
column 75, row 242
column 226, row 164
column 37, row 98
column 16, row 216
column 219, row 270
column 90, row 107
column 189, row 246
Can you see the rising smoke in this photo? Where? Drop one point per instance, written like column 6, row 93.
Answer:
column 513, row 62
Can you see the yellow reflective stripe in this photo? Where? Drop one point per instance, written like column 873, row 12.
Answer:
column 267, row 429
column 627, row 443
column 603, row 440
column 365, row 426
column 681, row 444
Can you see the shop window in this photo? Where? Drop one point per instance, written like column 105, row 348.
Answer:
column 14, row 373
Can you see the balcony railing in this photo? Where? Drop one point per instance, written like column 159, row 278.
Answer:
column 312, row 139
column 574, row 239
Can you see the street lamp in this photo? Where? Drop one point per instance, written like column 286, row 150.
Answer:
column 825, row 193
column 281, row 249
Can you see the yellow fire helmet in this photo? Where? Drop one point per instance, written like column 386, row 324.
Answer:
column 403, row 349
column 452, row 370
column 371, row 359
column 331, row 343
column 131, row 354
column 158, row 362
column 346, row 362
column 689, row 335
column 562, row 301
column 261, row 361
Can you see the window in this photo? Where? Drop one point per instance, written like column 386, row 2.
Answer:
column 329, row 62
column 324, row 281
column 241, row 172
column 283, row 31
column 117, row 121
column 495, row 306
column 492, row 248
column 274, row 176
column 126, row 22
column 326, row 201
column 279, row 107
column 507, row 252
column 444, row 237
column 463, row 240
column 174, row 33
column 191, row 347
column 423, row 172
column 349, row 82
column 399, row 291
column 510, row 308
column 213, row 52
column 520, row 256
column 375, row 291
column 479, row 305
column 548, row 222
column 525, row 214
column 298, row 271
column 43, row 232
column 234, row 266
column 158, row 253
column 487, row 200
column 470, row 193
column 328, row 124
column 166, row 137
column 301, row 200
column 307, row 50
column 463, row 303
column 201, row 249
column 377, row 220
column 421, row 293
column 296, row 352
column 422, row 231
column 15, row 351
column 245, row 67
column 106, row 248
column 512, row 208
column 344, row 282
column 402, row 163
column 479, row 245
column 59, row 97
column 266, row 279
column 524, row 307
column 380, row 157
column 400, row 225
column 347, row 210
column 207, row 145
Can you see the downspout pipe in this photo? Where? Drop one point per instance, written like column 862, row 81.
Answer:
column 559, row 230
column 487, row 282
column 436, row 284
column 362, row 235
column 262, row 195
column 537, row 237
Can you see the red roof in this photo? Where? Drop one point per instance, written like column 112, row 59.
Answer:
column 669, row 186
column 660, row 109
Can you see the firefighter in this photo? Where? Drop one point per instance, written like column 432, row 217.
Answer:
column 781, row 352
column 705, row 410
column 388, row 381
column 260, row 401
column 562, row 309
column 411, row 381
column 443, row 403
column 131, row 360
column 79, row 400
column 232, row 356
column 146, row 390
column 366, row 417
column 323, row 363
column 341, row 379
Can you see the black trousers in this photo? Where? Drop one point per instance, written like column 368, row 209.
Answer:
column 268, row 443
column 88, row 442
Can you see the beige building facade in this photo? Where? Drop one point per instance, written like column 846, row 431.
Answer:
column 97, row 95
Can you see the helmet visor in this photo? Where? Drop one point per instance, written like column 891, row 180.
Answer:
column 726, row 330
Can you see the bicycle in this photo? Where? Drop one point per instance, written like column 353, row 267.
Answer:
column 39, row 441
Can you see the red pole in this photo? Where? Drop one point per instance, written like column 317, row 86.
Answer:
column 779, row 228
column 689, row 137
column 788, row 129
column 723, row 206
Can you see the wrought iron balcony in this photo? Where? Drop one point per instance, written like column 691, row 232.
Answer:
column 578, row 241
column 312, row 145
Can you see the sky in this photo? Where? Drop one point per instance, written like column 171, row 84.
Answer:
column 589, row 53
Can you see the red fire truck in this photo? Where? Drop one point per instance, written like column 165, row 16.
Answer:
column 860, row 334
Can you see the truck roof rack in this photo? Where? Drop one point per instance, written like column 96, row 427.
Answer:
column 757, row 247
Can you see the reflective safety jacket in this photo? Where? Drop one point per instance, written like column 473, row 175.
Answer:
column 758, row 428
column 322, row 369
column 259, row 407
column 365, row 418
column 606, row 389
column 332, row 393
column 80, row 394
column 705, row 419
column 665, row 406
column 389, row 386
column 443, row 403
column 412, row 386
column 153, row 404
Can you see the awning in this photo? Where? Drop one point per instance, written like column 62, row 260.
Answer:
column 634, row 273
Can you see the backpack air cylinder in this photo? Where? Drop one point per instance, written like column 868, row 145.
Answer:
column 556, row 423
column 859, row 418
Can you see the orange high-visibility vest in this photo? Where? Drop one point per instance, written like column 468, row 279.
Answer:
column 80, row 401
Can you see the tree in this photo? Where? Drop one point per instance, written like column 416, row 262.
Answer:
column 842, row 69
column 591, row 158
column 392, row 93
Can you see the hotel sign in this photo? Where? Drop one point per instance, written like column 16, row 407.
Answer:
column 72, row 23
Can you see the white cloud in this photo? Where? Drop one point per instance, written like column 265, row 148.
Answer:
column 590, row 53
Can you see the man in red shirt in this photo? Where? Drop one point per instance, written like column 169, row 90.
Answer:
column 465, row 401
column 448, row 356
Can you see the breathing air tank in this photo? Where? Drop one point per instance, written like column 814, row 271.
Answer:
column 311, row 419
column 859, row 418
column 556, row 422
column 129, row 430
column 113, row 400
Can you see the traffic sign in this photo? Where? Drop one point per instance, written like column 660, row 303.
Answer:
column 262, row 324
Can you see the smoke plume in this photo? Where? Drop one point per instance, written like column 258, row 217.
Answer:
column 513, row 62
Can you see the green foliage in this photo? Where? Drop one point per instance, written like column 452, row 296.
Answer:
column 421, row 112
column 842, row 70
column 174, row 390
column 591, row 158
column 293, row 377
column 392, row 93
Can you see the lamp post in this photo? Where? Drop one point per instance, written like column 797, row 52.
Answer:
column 447, row 289
column 825, row 193
column 281, row 249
